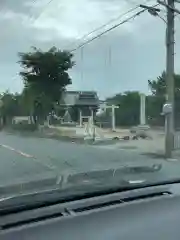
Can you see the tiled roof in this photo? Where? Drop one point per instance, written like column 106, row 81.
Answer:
column 69, row 98
column 80, row 98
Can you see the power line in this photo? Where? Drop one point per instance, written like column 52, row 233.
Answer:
column 110, row 29
column 42, row 10
column 107, row 23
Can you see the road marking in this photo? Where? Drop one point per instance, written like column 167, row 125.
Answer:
column 17, row 151
column 28, row 156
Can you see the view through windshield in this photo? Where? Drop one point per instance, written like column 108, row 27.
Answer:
column 89, row 94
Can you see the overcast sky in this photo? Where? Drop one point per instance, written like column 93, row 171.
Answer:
column 124, row 59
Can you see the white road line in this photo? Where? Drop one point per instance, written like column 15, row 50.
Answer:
column 17, row 151
column 28, row 156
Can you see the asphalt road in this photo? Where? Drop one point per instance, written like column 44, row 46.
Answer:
column 25, row 158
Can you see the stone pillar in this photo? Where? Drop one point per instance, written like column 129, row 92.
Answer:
column 92, row 113
column 142, row 109
column 113, row 118
column 80, row 117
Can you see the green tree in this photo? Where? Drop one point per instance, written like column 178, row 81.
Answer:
column 11, row 106
column 129, row 108
column 154, row 106
column 158, row 86
column 45, row 77
column 158, row 89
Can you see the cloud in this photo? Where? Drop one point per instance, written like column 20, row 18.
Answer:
column 123, row 59
column 72, row 19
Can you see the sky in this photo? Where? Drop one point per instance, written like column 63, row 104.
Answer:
column 121, row 60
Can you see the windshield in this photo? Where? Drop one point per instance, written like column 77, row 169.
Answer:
column 89, row 95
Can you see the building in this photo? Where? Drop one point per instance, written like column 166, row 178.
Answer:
column 80, row 104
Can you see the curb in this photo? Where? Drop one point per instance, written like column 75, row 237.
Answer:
column 39, row 134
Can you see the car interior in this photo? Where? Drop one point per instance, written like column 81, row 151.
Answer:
column 144, row 213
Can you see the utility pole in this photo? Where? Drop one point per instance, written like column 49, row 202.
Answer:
column 169, row 138
column 169, row 115
column 169, row 118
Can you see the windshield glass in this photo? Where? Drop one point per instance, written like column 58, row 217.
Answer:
column 89, row 95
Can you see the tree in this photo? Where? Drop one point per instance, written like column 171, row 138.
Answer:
column 45, row 77
column 158, row 89
column 154, row 106
column 11, row 106
column 158, row 86
column 129, row 108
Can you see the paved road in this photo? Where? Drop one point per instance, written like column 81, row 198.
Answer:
column 25, row 158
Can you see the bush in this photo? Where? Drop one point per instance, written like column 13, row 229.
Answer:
column 22, row 126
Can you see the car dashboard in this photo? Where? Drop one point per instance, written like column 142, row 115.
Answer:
column 147, row 213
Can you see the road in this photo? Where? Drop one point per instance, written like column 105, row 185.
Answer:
column 25, row 158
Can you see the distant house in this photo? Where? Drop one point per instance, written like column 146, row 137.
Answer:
column 19, row 119
column 80, row 103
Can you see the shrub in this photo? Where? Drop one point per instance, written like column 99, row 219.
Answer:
column 22, row 126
